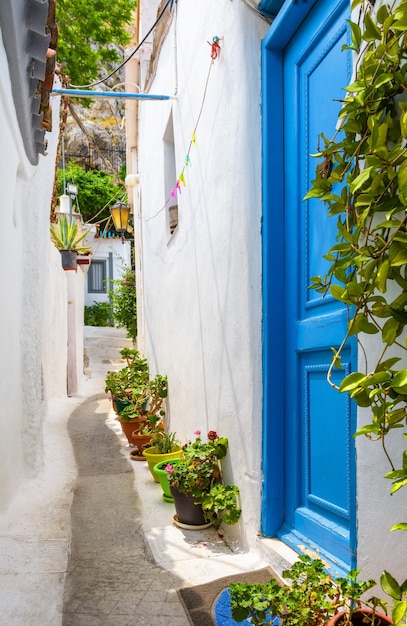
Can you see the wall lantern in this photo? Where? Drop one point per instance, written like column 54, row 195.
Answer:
column 120, row 214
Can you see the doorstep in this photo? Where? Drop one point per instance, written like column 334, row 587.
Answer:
column 278, row 555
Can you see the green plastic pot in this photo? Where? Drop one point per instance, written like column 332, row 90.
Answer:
column 163, row 477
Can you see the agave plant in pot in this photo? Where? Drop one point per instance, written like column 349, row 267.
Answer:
column 66, row 237
column 200, row 496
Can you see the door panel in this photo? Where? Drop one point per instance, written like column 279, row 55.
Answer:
column 319, row 457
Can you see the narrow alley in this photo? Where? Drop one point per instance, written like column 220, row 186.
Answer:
column 90, row 541
column 111, row 579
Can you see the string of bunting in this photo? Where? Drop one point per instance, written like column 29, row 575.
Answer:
column 177, row 189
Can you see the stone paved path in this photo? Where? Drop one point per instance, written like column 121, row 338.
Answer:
column 111, row 579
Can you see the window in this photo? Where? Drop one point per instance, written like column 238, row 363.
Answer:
column 97, row 277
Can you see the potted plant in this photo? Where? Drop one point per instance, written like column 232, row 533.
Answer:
column 131, row 418
column 312, row 598
column 142, row 435
column 196, row 484
column 66, row 238
column 164, row 447
column 129, row 390
column 161, row 470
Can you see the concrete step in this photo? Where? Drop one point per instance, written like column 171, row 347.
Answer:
column 103, row 345
column 108, row 342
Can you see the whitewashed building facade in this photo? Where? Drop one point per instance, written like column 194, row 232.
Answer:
column 242, row 89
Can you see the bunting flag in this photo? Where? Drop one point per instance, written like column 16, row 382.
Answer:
column 215, row 53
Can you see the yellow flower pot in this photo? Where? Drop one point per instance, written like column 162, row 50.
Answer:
column 153, row 457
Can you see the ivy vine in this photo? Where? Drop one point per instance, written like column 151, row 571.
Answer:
column 363, row 181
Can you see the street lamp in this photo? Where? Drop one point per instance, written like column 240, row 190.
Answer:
column 120, row 215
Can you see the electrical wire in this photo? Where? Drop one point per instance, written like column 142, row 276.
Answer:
column 136, row 49
column 114, row 197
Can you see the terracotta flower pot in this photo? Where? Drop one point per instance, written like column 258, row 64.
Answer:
column 140, row 440
column 358, row 617
column 129, row 426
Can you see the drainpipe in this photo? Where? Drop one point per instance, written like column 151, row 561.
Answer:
column 132, row 78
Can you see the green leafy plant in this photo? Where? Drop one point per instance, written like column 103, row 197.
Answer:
column 123, row 296
column 163, row 442
column 363, row 181
column 98, row 314
column 198, row 473
column 97, row 190
column 130, row 382
column 87, row 30
column 152, row 425
column 158, row 391
column 65, row 236
column 311, row 599
column 399, row 595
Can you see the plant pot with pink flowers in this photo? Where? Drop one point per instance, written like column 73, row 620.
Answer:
column 196, row 484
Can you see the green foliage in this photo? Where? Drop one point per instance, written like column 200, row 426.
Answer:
column 65, row 236
column 399, row 595
column 158, row 390
column 132, row 383
column 311, row 598
column 123, row 296
column 221, row 504
column 87, row 29
column 198, row 474
column 363, row 181
column 97, row 190
column 163, row 442
column 152, row 425
column 98, row 314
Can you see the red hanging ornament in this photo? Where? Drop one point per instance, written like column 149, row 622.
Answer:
column 215, row 48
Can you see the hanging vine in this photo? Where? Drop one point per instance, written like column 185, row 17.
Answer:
column 363, row 181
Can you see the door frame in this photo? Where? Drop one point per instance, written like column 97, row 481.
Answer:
column 280, row 33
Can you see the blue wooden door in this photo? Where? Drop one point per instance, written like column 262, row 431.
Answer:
column 317, row 469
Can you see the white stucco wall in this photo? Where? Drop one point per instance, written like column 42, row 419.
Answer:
column 199, row 291
column 25, row 207
column 202, row 286
column 377, row 509
column 55, row 322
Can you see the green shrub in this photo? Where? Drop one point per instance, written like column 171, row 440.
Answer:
column 123, row 296
column 99, row 314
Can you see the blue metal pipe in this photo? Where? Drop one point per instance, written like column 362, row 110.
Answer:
column 88, row 93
